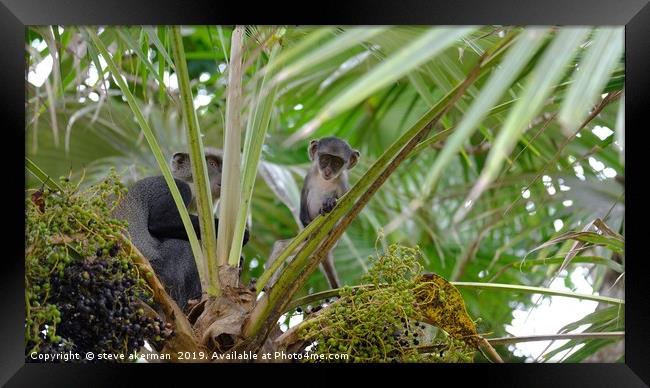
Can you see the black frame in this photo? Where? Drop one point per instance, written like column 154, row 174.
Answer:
column 634, row 14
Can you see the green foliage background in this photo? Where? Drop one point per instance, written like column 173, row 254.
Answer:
column 78, row 123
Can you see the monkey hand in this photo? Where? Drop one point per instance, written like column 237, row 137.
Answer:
column 328, row 205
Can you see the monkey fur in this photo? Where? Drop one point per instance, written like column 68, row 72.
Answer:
column 325, row 182
column 156, row 228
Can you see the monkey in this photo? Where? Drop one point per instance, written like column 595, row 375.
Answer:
column 182, row 169
column 325, row 182
column 156, row 228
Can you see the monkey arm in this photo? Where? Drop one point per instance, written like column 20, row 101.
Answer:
column 304, row 214
column 330, row 202
column 304, row 206
column 342, row 188
column 164, row 219
column 170, row 225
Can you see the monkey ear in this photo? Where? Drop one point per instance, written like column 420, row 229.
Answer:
column 179, row 157
column 354, row 158
column 313, row 147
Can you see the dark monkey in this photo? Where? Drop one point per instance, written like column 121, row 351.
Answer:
column 156, row 229
column 325, row 182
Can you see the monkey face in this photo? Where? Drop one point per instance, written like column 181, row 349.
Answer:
column 182, row 169
column 330, row 165
column 180, row 166
column 332, row 155
column 214, row 171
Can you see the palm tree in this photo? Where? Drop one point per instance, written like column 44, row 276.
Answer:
column 498, row 151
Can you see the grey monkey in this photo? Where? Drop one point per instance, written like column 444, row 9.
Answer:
column 156, row 229
column 325, row 182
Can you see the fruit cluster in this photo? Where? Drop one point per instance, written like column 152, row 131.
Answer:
column 83, row 292
column 380, row 322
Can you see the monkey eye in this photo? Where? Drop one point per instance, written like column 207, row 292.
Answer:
column 336, row 163
column 333, row 161
column 324, row 160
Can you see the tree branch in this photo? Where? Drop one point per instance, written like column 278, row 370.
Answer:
column 183, row 338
